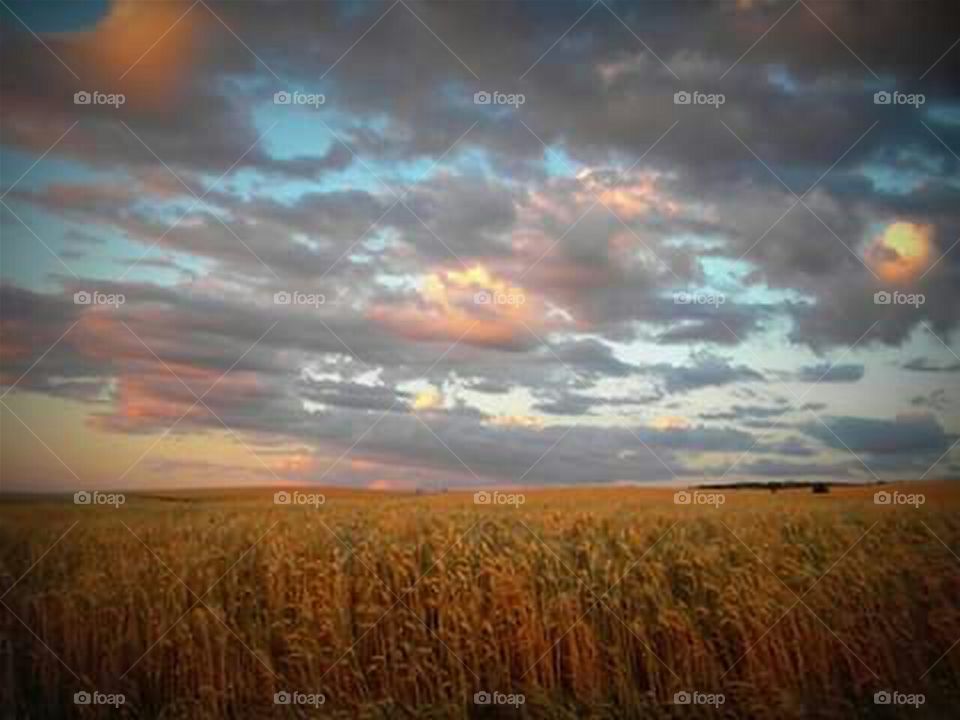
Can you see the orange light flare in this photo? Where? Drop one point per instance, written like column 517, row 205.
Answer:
column 670, row 422
column 144, row 50
column 297, row 463
column 901, row 253
column 526, row 422
column 426, row 400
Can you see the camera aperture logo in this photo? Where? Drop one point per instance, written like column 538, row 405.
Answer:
column 894, row 697
column 686, row 697
column 683, row 97
column 685, row 497
column 94, row 497
column 884, row 297
column 96, row 697
column 84, row 97
column 295, row 697
column 699, row 298
column 482, row 97
column 283, row 497
column 296, row 297
column 495, row 497
column 511, row 299
column 86, row 297
column 498, row 698
column 314, row 100
column 895, row 497
column 886, row 97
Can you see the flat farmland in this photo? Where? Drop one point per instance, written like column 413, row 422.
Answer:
column 596, row 603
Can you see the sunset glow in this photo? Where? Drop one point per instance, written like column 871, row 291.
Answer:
column 902, row 252
column 467, row 359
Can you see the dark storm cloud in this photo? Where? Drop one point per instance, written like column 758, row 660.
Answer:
column 592, row 358
column 934, row 400
column 256, row 239
column 32, row 324
column 705, row 371
column 827, row 373
column 800, row 100
column 256, row 395
column 459, row 215
column 571, row 403
column 745, row 412
column 905, row 434
column 567, row 404
column 210, row 335
column 489, row 387
column 926, row 365
column 791, row 86
column 790, row 447
column 354, row 395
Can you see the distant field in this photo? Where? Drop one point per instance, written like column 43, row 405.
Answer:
column 594, row 603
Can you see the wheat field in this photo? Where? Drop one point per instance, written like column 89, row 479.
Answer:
column 590, row 603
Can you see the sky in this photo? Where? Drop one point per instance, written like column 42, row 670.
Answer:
column 453, row 244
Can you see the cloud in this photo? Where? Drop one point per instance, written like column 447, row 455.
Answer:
column 705, row 371
column 935, row 400
column 926, row 365
column 831, row 373
column 357, row 396
column 907, row 433
column 472, row 305
column 563, row 402
column 632, row 200
column 746, row 412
